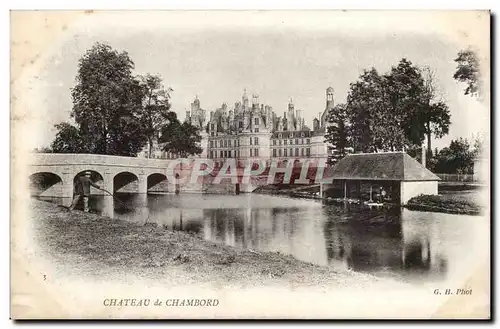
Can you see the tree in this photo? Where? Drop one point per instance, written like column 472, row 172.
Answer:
column 394, row 111
column 405, row 90
column 468, row 71
column 107, row 102
column 68, row 139
column 456, row 158
column 156, row 108
column 435, row 114
column 181, row 138
column 338, row 131
column 362, row 95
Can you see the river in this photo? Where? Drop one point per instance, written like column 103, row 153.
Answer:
column 417, row 247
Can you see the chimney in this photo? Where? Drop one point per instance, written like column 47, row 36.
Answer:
column 211, row 115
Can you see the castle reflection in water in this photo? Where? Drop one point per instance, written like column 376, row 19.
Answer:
column 396, row 242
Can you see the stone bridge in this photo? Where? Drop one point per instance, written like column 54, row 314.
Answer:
column 53, row 175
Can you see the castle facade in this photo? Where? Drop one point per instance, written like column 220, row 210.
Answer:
column 254, row 130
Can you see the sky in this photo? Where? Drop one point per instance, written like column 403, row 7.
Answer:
column 277, row 55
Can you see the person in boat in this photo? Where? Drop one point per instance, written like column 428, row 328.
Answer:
column 82, row 190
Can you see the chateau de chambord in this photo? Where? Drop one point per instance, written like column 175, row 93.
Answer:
column 255, row 130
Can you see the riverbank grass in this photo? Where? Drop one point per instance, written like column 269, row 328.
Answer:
column 444, row 204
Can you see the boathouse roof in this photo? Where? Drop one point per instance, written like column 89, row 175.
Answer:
column 395, row 166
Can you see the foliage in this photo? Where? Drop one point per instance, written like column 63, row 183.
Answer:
column 338, row 133
column 457, row 158
column 181, row 138
column 439, row 203
column 107, row 105
column 393, row 111
column 155, row 108
column 468, row 72
column 67, row 140
column 116, row 113
column 435, row 114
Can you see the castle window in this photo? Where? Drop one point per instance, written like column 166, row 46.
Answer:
column 285, row 141
column 221, row 153
column 285, row 153
column 212, row 134
column 229, row 143
column 225, row 143
column 212, row 127
column 256, row 121
column 256, row 130
column 302, row 152
column 211, row 143
column 240, row 124
column 291, row 141
column 220, row 143
column 308, row 151
column 296, row 141
column 291, row 152
column 251, row 140
column 296, row 152
column 279, row 152
column 274, row 153
column 229, row 153
column 308, row 141
column 256, row 152
column 274, row 142
column 302, row 141
column 225, row 154
column 256, row 141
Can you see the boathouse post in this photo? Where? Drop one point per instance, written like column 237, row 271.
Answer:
column 345, row 189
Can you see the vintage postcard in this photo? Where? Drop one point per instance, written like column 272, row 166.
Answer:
column 250, row 164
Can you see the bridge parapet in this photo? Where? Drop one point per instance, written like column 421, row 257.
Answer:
column 69, row 159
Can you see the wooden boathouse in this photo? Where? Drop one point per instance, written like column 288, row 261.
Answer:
column 396, row 173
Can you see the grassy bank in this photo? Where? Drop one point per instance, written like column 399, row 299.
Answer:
column 92, row 245
column 443, row 203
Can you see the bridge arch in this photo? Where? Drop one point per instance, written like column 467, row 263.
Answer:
column 45, row 183
column 126, row 182
column 95, row 177
column 157, row 182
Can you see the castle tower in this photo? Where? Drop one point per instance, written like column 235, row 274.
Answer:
column 255, row 102
column 244, row 99
column 291, row 106
column 329, row 98
column 195, row 106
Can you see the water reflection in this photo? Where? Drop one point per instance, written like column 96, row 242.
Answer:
column 394, row 242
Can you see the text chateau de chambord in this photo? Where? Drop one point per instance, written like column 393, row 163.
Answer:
column 255, row 131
